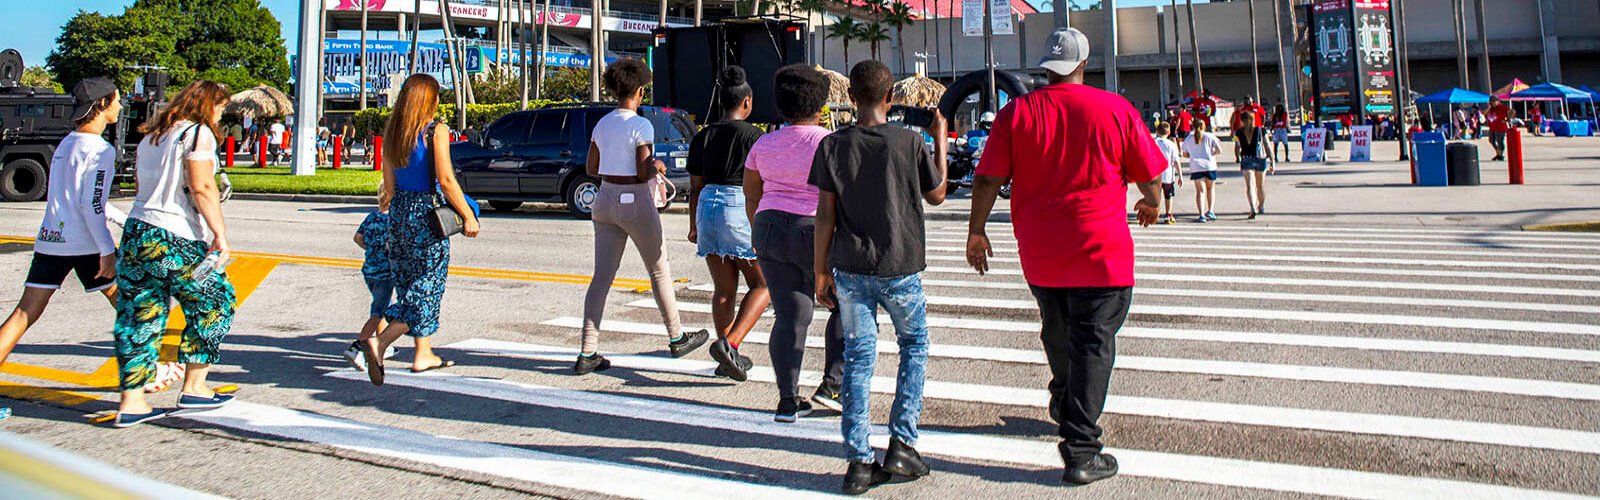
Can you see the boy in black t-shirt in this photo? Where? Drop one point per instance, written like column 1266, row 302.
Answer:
column 870, row 246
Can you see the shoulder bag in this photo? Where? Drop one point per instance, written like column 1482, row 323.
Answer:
column 444, row 220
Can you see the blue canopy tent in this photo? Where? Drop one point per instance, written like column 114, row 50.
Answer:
column 1557, row 91
column 1454, row 96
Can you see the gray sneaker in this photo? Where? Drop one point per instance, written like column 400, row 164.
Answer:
column 688, row 342
column 353, row 356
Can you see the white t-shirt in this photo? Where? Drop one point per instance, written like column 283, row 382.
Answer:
column 1170, row 151
column 276, row 135
column 618, row 136
column 1199, row 147
column 163, row 199
column 76, row 211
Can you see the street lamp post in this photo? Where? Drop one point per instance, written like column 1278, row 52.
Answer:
column 992, row 93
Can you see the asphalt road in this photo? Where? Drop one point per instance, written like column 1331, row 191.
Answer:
column 1264, row 359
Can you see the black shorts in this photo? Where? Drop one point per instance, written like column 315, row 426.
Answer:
column 1168, row 190
column 1208, row 175
column 50, row 271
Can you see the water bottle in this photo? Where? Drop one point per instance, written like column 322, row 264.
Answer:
column 207, row 268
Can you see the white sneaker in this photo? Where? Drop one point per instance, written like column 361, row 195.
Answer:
column 356, row 359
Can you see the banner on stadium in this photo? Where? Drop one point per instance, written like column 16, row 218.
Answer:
column 482, row 12
column 1361, row 143
column 1315, row 145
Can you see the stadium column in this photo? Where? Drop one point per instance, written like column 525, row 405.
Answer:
column 308, row 83
column 1549, row 53
column 1113, row 79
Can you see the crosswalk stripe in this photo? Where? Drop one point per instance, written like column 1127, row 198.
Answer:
column 1258, row 314
column 1379, row 285
column 1347, row 249
column 1286, row 339
column 1328, row 260
column 505, row 461
column 1005, row 242
column 1228, row 413
column 1423, row 380
column 1458, row 234
column 1258, row 268
column 1237, row 294
column 1138, row 463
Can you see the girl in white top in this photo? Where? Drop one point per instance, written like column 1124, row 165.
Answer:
column 177, row 210
column 73, row 238
column 1202, row 148
column 1170, row 180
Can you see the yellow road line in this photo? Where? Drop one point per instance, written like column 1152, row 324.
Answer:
column 67, row 483
column 22, row 391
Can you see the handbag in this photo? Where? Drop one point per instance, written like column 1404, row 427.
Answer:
column 224, row 185
column 662, row 191
column 444, row 220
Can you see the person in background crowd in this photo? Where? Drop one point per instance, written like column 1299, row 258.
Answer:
column 164, row 255
column 1202, row 149
column 980, row 133
column 1536, row 120
column 720, row 226
column 1280, row 132
column 622, row 156
column 1459, row 123
column 1070, row 151
column 870, row 249
column 1346, row 121
column 324, row 140
column 73, row 237
column 1248, row 108
column 1171, row 179
column 417, row 178
column 1248, row 147
column 1499, row 124
column 1185, row 123
column 275, row 140
column 1206, row 107
column 784, row 208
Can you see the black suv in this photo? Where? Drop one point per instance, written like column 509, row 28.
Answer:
column 538, row 155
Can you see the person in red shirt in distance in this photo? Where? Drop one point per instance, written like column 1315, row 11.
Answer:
column 1499, row 123
column 1185, row 123
column 1249, row 107
column 1071, row 150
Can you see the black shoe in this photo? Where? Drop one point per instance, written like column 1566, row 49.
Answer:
column 729, row 362
column 791, row 409
column 904, row 460
column 862, row 476
column 589, row 364
column 1099, row 467
column 827, row 396
column 688, row 342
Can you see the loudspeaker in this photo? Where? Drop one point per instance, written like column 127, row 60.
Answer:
column 687, row 77
column 10, row 68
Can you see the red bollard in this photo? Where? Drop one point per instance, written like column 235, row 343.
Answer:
column 1514, row 155
column 1411, row 148
column 338, row 147
column 261, row 153
column 377, row 153
column 230, row 143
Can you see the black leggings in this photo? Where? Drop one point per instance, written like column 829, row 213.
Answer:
column 784, row 242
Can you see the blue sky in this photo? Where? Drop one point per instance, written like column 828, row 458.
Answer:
column 32, row 27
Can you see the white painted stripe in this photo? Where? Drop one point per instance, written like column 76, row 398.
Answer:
column 1285, row 339
column 1261, row 314
column 1333, row 259
column 1223, row 266
column 1320, row 250
column 1454, row 234
column 498, row 460
column 1389, row 378
column 1292, row 418
column 1380, row 285
column 1166, row 235
column 1027, row 452
column 1237, row 294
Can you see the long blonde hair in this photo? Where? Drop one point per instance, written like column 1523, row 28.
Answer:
column 413, row 112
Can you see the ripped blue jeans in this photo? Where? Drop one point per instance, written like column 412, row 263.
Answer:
column 902, row 298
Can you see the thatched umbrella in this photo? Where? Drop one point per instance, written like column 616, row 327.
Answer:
column 260, row 101
column 838, row 86
column 919, row 91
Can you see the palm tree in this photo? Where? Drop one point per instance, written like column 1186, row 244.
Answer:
column 874, row 33
column 820, row 8
column 899, row 15
column 1255, row 61
column 845, row 29
column 1194, row 45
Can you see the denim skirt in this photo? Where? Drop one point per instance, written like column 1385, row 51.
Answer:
column 723, row 225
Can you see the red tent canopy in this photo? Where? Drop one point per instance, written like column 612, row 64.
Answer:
column 949, row 8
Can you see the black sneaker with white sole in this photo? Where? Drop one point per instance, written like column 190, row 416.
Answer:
column 791, row 409
column 1098, row 467
column 688, row 342
column 827, row 396
column 591, row 364
column 729, row 362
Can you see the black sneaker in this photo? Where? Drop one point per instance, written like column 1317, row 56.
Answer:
column 1099, row 467
column 729, row 362
column 791, row 409
column 904, row 460
column 590, row 364
column 827, row 396
column 688, row 342
column 862, row 476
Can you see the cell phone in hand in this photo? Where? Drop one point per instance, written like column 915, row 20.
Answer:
column 912, row 116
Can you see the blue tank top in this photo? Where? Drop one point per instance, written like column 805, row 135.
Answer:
column 417, row 175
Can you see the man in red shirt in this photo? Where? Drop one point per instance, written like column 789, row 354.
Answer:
column 1499, row 124
column 1185, row 123
column 1250, row 107
column 1071, row 150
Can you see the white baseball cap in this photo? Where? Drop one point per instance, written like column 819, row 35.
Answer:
column 1066, row 49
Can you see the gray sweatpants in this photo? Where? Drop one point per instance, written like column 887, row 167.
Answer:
column 623, row 212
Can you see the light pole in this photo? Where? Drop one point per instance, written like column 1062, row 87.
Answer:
column 362, row 57
column 308, row 82
column 1283, row 64
column 1255, row 59
column 992, row 93
column 1485, row 78
column 1194, row 46
column 1177, row 49
column 597, row 50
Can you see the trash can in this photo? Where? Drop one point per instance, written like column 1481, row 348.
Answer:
column 1432, row 167
column 1463, row 160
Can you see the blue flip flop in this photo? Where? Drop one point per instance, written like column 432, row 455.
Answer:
column 5, row 413
column 191, row 402
column 126, row 420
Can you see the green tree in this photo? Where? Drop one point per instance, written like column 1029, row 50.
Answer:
column 37, row 76
column 229, row 34
column 899, row 15
column 845, row 29
column 873, row 33
column 236, row 42
column 92, row 45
